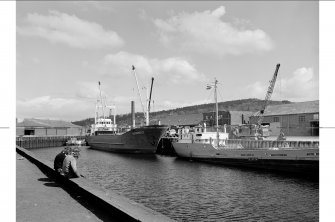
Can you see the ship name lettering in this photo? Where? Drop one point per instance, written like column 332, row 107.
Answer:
column 137, row 133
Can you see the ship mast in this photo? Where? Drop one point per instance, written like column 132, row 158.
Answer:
column 216, row 111
column 209, row 86
column 102, row 105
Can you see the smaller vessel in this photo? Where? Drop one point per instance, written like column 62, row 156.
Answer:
column 216, row 147
column 75, row 142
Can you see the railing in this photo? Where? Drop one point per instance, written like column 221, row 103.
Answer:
column 257, row 144
column 43, row 141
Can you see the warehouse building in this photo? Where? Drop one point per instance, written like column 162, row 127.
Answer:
column 227, row 117
column 295, row 119
column 45, row 127
column 182, row 120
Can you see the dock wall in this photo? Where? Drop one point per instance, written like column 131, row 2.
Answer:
column 110, row 203
column 31, row 142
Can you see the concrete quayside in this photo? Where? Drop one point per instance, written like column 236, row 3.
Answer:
column 100, row 204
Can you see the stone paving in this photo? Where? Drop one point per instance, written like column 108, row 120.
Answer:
column 38, row 198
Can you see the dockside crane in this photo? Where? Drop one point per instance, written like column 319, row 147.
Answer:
column 152, row 83
column 147, row 110
column 268, row 95
column 257, row 130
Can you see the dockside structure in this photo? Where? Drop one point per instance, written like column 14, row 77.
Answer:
column 46, row 127
column 294, row 119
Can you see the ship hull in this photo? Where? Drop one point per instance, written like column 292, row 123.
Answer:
column 140, row 140
column 293, row 160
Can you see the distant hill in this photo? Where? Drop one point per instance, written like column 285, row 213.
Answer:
column 253, row 105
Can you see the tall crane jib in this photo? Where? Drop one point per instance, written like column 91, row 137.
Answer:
column 152, row 82
column 268, row 95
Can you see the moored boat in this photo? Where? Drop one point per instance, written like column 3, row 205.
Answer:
column 139, row 140
column 293, row 156
column 75, row 142
column 278, row 155
column 106, row 136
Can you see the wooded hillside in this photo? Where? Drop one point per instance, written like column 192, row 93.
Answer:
column 253, row 105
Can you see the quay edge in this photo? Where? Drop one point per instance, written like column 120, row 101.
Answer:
column 111, row 203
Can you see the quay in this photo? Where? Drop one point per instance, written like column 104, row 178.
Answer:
column 43, row 195
column 29, row 142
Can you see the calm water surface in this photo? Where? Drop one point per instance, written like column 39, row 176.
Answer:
column 193, row 191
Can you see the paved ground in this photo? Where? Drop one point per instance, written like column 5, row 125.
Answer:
column 40, row 199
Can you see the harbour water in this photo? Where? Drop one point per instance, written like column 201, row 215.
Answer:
column 193, row 191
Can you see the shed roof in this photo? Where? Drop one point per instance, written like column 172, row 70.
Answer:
column 182, row 120
column 245, row 113
column 293, row 108
column 46, row 123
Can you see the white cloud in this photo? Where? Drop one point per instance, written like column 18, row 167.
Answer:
column 54, row 108
column 59, row 27
column 88, row 90
column 142, row 14
column 206, row 32
column 301, row 85
column 173, row 69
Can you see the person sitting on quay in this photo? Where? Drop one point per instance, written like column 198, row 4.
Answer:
column 58, row 162
column 69, row 168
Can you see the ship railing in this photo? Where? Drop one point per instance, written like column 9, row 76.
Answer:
column 257, row 144
column 253, row 144
column 265, row 144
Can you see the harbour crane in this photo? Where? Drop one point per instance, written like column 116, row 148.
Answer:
column 147, row 110
column 258, row 131
column 268, row 95
column 152, row 82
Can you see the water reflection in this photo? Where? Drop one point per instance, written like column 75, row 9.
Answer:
column 193, row 191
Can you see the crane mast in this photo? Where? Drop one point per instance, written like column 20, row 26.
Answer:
column 147, row 110
column 138, row 90
column 152, row 82
column 268, row 95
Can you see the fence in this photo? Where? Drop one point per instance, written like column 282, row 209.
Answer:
column 258, row 144
column 43, row 141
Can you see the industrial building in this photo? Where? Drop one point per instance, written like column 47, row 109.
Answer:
column 224, row 117
column 45, row 127
column 182, row 120
column 227, row 117
column 295, row 119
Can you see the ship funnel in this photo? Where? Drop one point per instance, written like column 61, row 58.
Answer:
column 133, row 114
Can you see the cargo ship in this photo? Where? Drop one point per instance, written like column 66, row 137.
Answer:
column 252, row 151
column 285, row 156
column 105, row 135
column 139, row 140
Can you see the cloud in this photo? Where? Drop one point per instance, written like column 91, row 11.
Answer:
column 59, row 27
column 173, row 69
column 301, row 85
column 54, row 108
column 142, row 14
column 206, row 32
column 88, row 90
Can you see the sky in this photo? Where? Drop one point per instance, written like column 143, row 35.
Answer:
column 55, row 91
column 63, row 49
